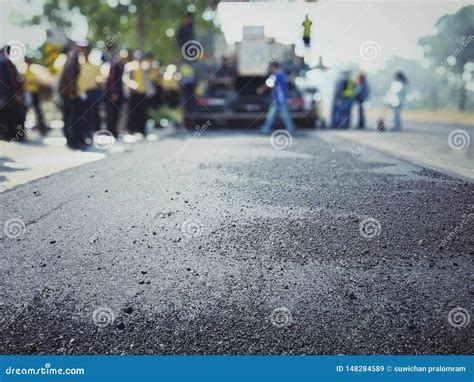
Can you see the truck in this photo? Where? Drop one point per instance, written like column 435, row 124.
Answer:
column 230, row 96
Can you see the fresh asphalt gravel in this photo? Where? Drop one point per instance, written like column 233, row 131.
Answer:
column 221, row 244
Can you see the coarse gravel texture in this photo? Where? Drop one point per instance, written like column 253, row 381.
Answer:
column 188, row 245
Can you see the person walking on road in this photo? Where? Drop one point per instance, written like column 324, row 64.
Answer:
column 279, row 106
column 361, row 95
column 397, row 98
column 114, row 96
column 32, row 88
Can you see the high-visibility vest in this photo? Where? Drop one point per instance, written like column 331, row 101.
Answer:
column 349, row 89
column 307, row 27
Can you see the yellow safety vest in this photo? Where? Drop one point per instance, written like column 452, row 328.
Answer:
column 32, row 84
column 349, row 90
column 307, row 28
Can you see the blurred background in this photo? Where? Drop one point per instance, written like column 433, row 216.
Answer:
column 435, row 50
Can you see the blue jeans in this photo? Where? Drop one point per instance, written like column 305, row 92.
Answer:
column 361, row 122
column 341, row 113
column 278, row 109
column 397, row 120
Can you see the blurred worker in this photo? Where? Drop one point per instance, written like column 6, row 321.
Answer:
column 74, row 105
column 397, row 97
column 171, row 91
column 307, row 31
column 12, row 109
column 279, row 84
column 32, row 88
column 188, row 86
column 141, row 90
column 342, row 104
column 114, row 95
column 156, row 99
column 185, row 31
column 89, row 88
column 361, row 95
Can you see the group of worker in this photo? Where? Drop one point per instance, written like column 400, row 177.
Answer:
column 347, row 93
column 84, row 86
column 118, row 89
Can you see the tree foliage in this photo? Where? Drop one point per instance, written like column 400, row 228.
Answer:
column 455, row 38
column 141, row 24
column 452, row 47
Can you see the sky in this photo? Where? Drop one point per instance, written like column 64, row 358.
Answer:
column 363, row 32
column 367, row 33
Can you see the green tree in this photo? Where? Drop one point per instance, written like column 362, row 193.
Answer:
column 452, row 47
column 140, row 24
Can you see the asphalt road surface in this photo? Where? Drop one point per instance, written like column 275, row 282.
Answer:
column 222, row 244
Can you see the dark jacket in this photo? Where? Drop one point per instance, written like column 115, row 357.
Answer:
column 114, row 85
column 69, row 76
column 184, row 34
column 11, row 83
